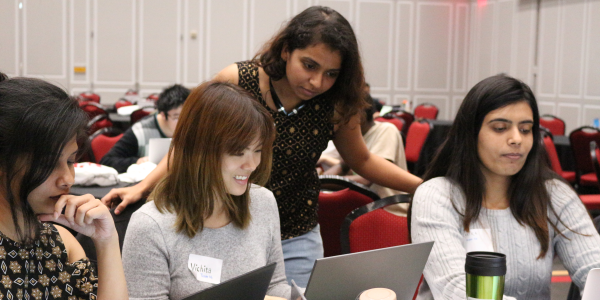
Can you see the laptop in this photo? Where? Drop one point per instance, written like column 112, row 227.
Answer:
column 158, row 148
column 592, row 285
column 250, row 286
column 397, row 268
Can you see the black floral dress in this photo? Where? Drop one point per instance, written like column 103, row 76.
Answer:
column 301, row 138
column 42, row 271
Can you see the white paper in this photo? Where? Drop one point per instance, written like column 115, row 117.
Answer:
column 205, row 269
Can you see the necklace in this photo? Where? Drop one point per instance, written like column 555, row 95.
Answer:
column 278, row 104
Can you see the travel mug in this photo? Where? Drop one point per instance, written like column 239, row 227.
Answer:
column 485, row 275
column 377, row 294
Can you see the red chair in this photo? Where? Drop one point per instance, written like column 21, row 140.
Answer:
column 408, row 119
column 98, row 122
column 399, row 123
column 122, row 102
column 101, row 142
column 92, row 109
column 335, row 206
column 415, row 139
column 426, row 111
column 139, row 114
column 152, row 97
column 580, row 140
column 554, row 124
column 553, row 156
column 593, row 201
column 89, row 96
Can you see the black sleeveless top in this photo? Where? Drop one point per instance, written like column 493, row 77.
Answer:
column 42, row 270
column 301, row 138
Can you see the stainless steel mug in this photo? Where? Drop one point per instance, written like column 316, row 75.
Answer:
column 485, row 275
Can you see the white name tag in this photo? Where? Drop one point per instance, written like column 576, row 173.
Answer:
column 206, row 269
column 478, row 240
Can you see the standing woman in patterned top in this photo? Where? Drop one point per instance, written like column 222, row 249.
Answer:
column 310, row 78
column 40, row 126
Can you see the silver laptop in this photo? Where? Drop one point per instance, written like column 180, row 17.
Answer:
column 344, row 277
column 158, row 148
column 591, row 291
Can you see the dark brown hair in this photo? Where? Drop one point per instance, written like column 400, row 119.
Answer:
column 216, row 119
column 319, row 24
column 458, row 159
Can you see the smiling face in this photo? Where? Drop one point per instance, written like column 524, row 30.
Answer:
column 313, row 70
column 505, row 139
column 237, row 167
column 43, row 198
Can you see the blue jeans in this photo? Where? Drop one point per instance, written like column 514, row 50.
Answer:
column 300, row 254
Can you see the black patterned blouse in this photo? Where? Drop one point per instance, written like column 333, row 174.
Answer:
column 42, row 270
column 300, row 140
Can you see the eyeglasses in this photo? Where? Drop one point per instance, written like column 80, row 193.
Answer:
column 173, row 117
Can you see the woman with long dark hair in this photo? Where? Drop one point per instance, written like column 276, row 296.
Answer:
column 310, row 78
column 489, row 188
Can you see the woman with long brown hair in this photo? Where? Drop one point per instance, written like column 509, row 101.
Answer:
column 490, row 188
column 207, row 208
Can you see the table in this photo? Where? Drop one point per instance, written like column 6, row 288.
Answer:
column 120, row 121
column 564, row 152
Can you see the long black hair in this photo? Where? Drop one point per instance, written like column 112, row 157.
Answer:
column 37, row 120
column 458, row 159
column 320, row 24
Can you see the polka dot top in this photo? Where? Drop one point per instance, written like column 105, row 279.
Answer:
column 42, row 270
column 300, row 140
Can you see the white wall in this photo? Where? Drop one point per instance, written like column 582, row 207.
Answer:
column 420, row 50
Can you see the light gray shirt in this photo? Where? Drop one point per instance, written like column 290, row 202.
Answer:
column 155, row 256
column 434, row 218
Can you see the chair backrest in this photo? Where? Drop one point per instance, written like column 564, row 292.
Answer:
column 370, row 227
column 408, row 119
column 92, row 109
column 595, row 155
column 139, row 114
column 101, row 142
column 399, row 123
column 98, row 122
column 415, row 139
column 122, row 102
column 152, row 97
column 551, row 151
column 426, row 111
column 89, row 96
column 335, row 206
column 580, row 139
column 553, row 123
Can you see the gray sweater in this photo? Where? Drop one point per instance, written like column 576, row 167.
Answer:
column 527, row 277
column 155, row 256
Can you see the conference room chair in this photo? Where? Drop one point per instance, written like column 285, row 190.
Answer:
column 408, row 119
column 139, row 114
column 98, row 122
column 101, row 141
column 554, row 124
column 338, row 197
column 92, row 109
column 580, row 139
column 152, row 97
column 89, row 96
column 426, row 111
column 415, row 139
column 592, row 201
column 389, row 118
column 553, row 156
column 122, row 102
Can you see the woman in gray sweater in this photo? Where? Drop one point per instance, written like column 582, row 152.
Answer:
column 207, row 222
column 490, row 189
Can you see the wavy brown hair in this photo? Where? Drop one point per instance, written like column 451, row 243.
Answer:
column 320, row 24
column 217, row 118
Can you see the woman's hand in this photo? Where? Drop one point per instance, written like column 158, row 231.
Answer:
column 84, row 214
column 128, row 195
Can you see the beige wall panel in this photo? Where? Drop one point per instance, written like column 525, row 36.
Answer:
column 399, row 99
column 9, row 37
column 548, row 48
column 114, row 42
column 404, row 45
column 590, row 112
column 546, row 107
column 374, row 30
column 461, row 47
column 44, row 50
column 193, row 33
column 442, row 103
column 264, row 23
column 571, row 113
column 572, row 43
column 592, row 62
column 300, row 5
column 482, row 24
column 433, row 46
column 226, row 40
column 159, row 51
column 344, row 7
column 525, row 29
column 456, row 102
column 504, row 28
column 80, row 31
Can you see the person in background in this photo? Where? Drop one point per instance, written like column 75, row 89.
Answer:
column 40, row 127
column 310, row 78
column 490, row 188
column 208, row 204
column 132, row 147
